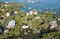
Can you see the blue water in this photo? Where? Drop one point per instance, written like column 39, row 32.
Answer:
column 40, row 4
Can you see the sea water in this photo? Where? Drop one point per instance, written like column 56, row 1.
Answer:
column 43, row 5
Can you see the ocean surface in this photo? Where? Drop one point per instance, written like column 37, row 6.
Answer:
column 40, row 5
